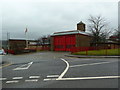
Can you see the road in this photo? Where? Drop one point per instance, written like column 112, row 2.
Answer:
column 54, row 70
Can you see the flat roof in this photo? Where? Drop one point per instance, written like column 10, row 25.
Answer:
column 70, row 32
column 20, row 39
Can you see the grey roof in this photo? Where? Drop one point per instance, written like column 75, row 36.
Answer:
column 21, row 39
column 71, row 32
column 17, row 39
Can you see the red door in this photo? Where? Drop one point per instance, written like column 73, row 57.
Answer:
column 64, row 42
column 59, row 43
column 70, row 42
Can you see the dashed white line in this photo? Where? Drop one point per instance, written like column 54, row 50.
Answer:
column 33, row 80
column 65, row 69
column 46, row 79
column 1, row 79
column 53, row 76
column 17, row 77
column 89, row 64
column 34, row 77
column 12, row 81
column 49, row 79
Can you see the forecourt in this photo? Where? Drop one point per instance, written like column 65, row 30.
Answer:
column 55, row 70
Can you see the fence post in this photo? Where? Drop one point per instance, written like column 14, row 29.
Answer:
column 86, row 51
column 106, row 51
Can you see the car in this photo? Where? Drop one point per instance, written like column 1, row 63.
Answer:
column 2, row 52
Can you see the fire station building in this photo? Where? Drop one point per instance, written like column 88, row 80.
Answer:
column 68, row 40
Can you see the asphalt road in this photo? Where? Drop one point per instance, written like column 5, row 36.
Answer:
column 54, row 70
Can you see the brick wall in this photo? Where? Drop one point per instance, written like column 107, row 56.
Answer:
column 83, row 41
column 52, row 43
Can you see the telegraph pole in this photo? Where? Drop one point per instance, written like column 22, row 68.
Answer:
column 26, row 41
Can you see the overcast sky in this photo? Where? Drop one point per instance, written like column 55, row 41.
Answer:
column 42, row 17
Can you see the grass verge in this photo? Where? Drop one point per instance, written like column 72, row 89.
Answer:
column 99, row 52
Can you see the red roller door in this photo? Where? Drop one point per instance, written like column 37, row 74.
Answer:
column 64, row 42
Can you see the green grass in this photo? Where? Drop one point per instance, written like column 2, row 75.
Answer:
column 100, row 52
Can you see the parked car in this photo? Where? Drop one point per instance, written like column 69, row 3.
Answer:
column 2, row 52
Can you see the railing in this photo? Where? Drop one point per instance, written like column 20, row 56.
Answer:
column 10, row 51
column 46, row 48
column 28, row 50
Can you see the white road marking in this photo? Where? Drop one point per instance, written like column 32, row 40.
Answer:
column 90, row 78
column 65, row 69
column 1, row 79
column 34, row 77
column 17, row 77
column 12, row 81
column 80, row 60
column 53, row 76
column 23, row 66
column 49, row 79
column 33, row 80
column 46, row 79
column 89, row 64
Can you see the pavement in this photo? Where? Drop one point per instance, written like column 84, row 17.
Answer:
column 3, row 62
column 55, row 70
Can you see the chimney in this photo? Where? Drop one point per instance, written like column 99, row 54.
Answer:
column 81, row 26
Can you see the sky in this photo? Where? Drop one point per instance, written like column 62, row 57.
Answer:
column 43, row 17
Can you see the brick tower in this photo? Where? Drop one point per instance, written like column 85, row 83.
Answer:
column 81, row 26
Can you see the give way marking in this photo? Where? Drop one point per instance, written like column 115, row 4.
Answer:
column 85, row 78
column 91, row 78
column 23, row 67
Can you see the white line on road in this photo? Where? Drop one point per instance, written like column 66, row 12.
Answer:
column 90, row 78
column 86, row 78
column 46, row 79
column 1, row 79
column 23, row 66
column 17, row 77
column 12, row 81
column 34, row 77
column 49, row 79
column 89, row 64
column 80, row 60
column 53, row 76
column 33, row 80
column 65, row 69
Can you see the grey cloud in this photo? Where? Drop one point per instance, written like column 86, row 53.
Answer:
column 46, row 18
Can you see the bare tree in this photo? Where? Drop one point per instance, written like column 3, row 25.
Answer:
column 45, row 39
column 117, row 35
column 98, row 29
